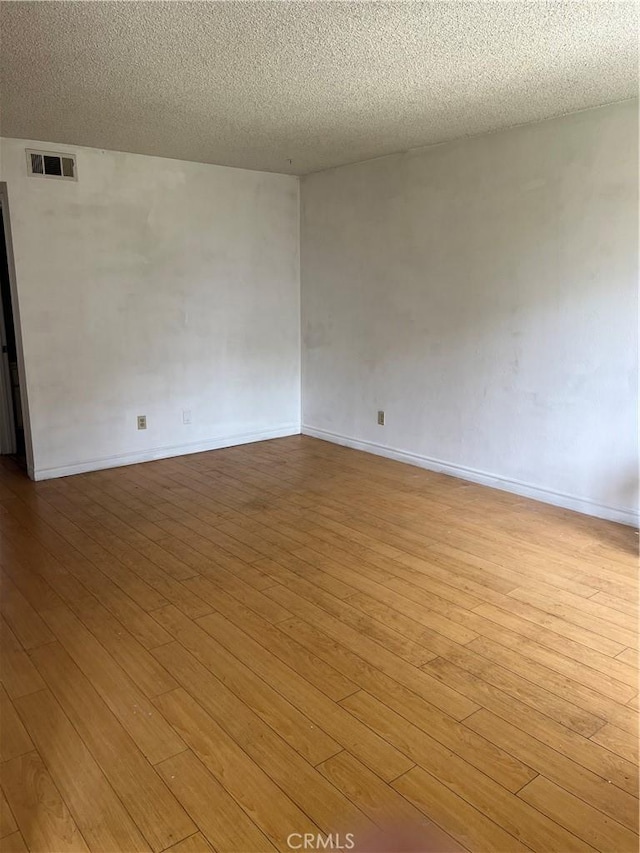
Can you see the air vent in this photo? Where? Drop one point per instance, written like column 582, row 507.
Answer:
column 48, row 164
column 37, row 164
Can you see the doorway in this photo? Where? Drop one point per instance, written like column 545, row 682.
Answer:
column 12, row 423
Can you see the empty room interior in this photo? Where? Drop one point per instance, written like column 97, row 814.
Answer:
column 319, row 427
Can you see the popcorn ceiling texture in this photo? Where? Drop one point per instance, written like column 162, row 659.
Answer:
column 321, row 84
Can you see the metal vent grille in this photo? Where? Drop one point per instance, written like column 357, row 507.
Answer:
column 48, row 164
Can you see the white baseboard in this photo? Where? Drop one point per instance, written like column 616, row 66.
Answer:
column 162, row 452
column 623, row 515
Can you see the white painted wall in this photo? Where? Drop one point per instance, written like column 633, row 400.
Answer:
column 148, row 287
column 484, row 293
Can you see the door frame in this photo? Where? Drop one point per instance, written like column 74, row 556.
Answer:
column 15, row 308
column 7, row 419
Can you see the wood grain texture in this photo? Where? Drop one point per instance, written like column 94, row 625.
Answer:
column 196, row 843
column 14, row 843
column 149, row 730
column 157, row 814
column 7, row 821
column 578, row 817
column 96, row 809
column 219, row 817
column 14, row 738
column 17, row 673
column 222, row 651
column 271, row 810
column 42, row 815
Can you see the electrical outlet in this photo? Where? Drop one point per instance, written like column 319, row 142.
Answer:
column 186, row 416
column 142, row 421
column 381, row 418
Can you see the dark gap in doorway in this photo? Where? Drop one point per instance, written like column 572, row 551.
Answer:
column 12, row 349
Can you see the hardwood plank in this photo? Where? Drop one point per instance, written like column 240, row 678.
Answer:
column 616, row 603
column 100, row 507
column 332, row 539
column 593, row 690
column 465, row 780
column 502, row 578
column 302, row 783
column 587, row 823
column 595, row 790
column 406, row 597
column 411, row 650
column 199, row 521
column 617, row 667
column 628, row 656
column 14, row 739
column 372, row 751
column 441, row 695
column 142, row 721
column 626, row 636
column 17, row 673
column 288, row 567
column 485, row 677
column 575, row 746
column 618, row 741
column 587, row 722
column 14, row 843
column 43, row 817
column 95, row 552
column 143, row 669
column 78, row 777
column 140, row 624
column 381, row 612
column 611, row 584
column 394, row 816
column 269, row 808
column 220, row 818
column 35, row 589
column 21, row 617
column 590, row 606
column 233, row 604
column 222, row 581
column 465, row 823
column 480, row 752
column 214, row 556
column 165, row 585
column 579, row 634
column 86, row 575
column 185, row 551
column 156, row 813
column 510, row 681
column 194, row 844
column 304, row 662
column 298, row 730
column 33, row 547
column 8, row 823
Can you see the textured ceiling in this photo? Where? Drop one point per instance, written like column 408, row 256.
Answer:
column 318, row 83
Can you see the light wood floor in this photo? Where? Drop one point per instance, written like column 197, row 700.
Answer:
column 230, row 649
